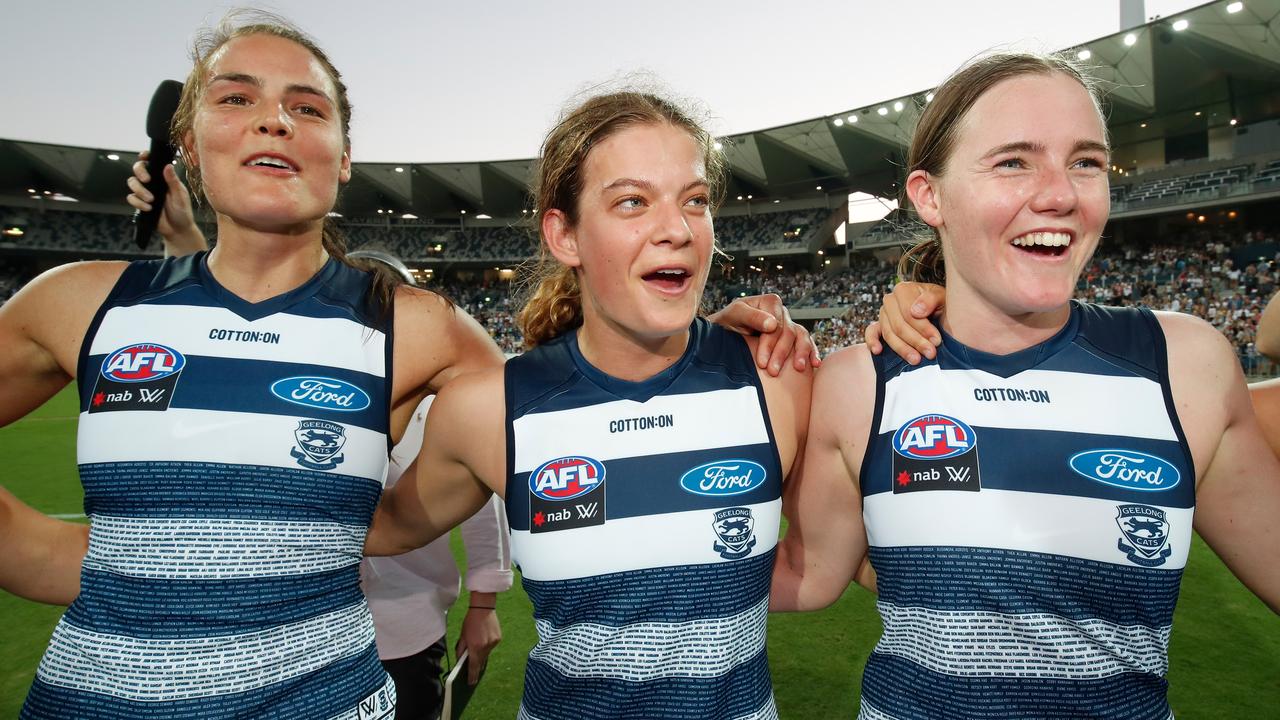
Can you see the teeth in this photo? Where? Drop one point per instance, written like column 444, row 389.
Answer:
column 271, row 162
column 671, row 272
column 1046, row 239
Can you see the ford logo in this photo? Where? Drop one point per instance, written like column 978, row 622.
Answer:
column 1127, row 469
column 321, row 392
column 724, row 477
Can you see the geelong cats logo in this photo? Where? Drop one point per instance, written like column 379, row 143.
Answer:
column 319, row 442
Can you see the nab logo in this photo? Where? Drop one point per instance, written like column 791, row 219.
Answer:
column 142, row 362
column 934, row 437
column 566, row 478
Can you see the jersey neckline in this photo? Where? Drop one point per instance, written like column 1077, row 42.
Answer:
column 954, row 353
column 641, row 390
column 256, row 311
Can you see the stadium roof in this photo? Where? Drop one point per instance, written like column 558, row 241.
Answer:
column 1209, row 67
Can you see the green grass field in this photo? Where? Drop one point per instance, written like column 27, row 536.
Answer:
column 1225, row 654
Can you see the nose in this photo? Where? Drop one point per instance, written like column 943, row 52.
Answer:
column 275, row 121
column 1056, row 192
column 673, row 226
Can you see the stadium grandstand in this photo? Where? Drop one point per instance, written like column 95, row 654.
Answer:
column 1193, row 114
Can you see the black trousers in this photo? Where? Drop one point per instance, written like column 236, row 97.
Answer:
column 419, row 685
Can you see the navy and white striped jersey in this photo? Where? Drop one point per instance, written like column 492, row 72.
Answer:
column 644, row 518
column 1029, row 517
column 232, row 455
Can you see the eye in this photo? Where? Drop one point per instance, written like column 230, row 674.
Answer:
column 1012, row 163
column 234, row 100
column 699, row 201
column 631, row 203
column 309, row 110
column 1090, row 163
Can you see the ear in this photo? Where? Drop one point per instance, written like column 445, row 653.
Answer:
column 922, row 189
column 344, row 170
column 189, row 155
column 561, row 238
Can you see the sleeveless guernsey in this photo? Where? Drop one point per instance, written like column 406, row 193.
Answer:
column 232, row 455
column 644, row 518
column 1029, row 517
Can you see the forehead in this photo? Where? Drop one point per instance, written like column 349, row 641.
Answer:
column 270, row 58
column 1042, row 108
column 654, row 152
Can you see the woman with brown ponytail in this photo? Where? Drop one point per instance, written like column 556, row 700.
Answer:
column 640, row 453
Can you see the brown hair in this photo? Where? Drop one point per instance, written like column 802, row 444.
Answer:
column 243, row 22
column 554, row 305
column 939, row 126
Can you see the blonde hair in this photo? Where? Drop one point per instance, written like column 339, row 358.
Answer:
column 554, row 305
column 938, row 130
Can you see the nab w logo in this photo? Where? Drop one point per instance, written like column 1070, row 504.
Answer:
column 566, row 478
column 934, row 437
column 142, row 362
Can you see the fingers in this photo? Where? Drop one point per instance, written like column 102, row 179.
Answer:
column 139, row 191
column 806, row 351
column 897, row 332
column 479, row 658
column 871, row 336
column 929, row 301
column 140, row 169
column 784, row 344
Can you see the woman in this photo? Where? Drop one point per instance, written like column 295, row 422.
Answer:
column 640, row 454
column 237, row 409
column 1028, row 493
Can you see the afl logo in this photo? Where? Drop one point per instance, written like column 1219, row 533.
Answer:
column 142, row 362
column 566, row 478
column 1127, row 469
column 320, row 392
column 934, row 437
column 723, row 477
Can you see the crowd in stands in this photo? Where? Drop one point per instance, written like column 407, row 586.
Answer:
column 1217, row 274
column 766, row 231
column 1222, row 277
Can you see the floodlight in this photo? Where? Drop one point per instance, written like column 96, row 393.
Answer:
column 1130, row 39
column 1180, row 25
column 1084, row 54
column 837, row 122
column 1235, row 7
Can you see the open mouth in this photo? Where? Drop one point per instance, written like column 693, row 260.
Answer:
column 1048, row 244
column 271, row 162
column 668, row 279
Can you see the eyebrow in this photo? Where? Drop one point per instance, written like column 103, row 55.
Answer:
column 246, row 79
column 1035, row 147
column 646, row 185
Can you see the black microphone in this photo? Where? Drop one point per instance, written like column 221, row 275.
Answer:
column 164, row 103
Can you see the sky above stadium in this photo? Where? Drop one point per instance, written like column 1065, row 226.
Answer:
column 435, row 81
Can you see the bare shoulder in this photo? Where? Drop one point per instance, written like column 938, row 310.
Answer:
column 1200, row 358
column 468, row 420
column 54, row 310
column 435, row 342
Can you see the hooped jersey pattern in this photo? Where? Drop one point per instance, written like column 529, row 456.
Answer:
column 644, row 518
column 232, row 455
column 1029, row 517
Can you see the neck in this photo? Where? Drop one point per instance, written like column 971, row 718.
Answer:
column 974, row 321
column 625, row 356
column 256, row 265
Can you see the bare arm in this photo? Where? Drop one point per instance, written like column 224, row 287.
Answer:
column 41, row 329
column 459, row 467
column 485, row 536
column 435, row 343
column 42, row 555
column 1238, row 493
column 826, row 543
